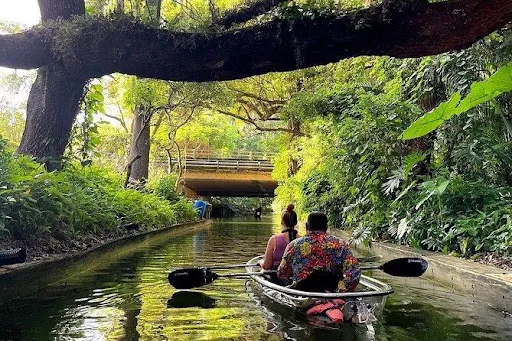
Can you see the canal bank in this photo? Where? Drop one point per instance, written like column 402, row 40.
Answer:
column 483, row 283
column 29, row 277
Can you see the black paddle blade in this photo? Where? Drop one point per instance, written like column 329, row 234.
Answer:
column 191, row 278
column 405, row 267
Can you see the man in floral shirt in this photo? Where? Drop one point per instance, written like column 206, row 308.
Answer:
column 318, row 251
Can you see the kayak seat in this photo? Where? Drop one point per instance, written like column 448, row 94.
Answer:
column 319, row 281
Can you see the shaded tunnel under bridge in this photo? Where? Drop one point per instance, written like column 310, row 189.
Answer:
column 239, row 174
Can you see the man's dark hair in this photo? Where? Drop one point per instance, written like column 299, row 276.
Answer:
column 317, row 221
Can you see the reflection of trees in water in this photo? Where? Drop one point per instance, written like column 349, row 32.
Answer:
column 236, row 241
column 402, row 320
column 81, row 293
column 199, row 241
column 231, row 318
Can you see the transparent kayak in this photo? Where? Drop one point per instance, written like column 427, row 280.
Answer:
column 362, row 306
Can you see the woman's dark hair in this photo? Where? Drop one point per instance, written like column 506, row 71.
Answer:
column 290, row 209
column 289, row 219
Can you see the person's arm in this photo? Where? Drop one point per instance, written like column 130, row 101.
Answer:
column 268, row 261
column 351, row 271
column 284, row 271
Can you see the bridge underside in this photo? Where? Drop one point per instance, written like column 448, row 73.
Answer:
column 228, row 184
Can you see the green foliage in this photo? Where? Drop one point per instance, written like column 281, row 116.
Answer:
column 36, row 204
column 448, row 192
column 164, row 187
column 464, row 218
column 85, row 136
column 480, row 92
column 314, row 8
column 211, row 132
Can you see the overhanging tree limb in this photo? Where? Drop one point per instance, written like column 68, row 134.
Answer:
column 415, row 28
column 27, row 50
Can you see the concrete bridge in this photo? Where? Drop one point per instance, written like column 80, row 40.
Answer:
column 239, row 174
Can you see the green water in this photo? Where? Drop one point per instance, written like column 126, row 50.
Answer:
column 125, row 296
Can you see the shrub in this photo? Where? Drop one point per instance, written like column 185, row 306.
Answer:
column 76, row 201
column 164, row 187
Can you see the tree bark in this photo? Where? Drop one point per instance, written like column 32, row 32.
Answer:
column 294, row 126
column 64, row 9
column 51, row 110
column 141, row 128
column 54, row 99
column 140, row 145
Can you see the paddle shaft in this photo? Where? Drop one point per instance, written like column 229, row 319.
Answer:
column 197, row 277
column 363, row 267
column 268, row 272
column 371, row 267
column 243, row 274
column 232, row 266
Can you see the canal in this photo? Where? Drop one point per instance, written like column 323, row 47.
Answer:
column 127, row 297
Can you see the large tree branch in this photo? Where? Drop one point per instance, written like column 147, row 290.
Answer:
column 26, row 50
column 118, row 119
column 412, row 28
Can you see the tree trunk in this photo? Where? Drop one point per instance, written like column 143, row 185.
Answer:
column 65, row 9
column 52, row 106
column 140, row 145
column 294, row 126
column 54, row 99
column 154, row 10
column 120, row 6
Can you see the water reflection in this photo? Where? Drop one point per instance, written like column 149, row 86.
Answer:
column 124, row 295
column 188, row 299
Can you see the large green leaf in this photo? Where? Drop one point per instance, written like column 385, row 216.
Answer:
column 433, row 119
column 480, row 92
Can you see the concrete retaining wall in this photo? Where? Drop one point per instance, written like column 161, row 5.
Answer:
column 484, row 282
column 26, row 278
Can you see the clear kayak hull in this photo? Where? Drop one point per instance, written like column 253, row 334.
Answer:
column 362, row 306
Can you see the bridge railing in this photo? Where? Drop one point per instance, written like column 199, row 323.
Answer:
column 260, row 165
column 236, row 155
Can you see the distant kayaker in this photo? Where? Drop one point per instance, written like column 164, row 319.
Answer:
column 291, row 208
column 319, row 252
column 257, row 213
column 277, row 243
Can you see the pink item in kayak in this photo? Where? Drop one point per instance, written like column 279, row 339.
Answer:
column 335, row 315
column 332, row 309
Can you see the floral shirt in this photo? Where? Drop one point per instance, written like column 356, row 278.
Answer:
column 320, row 251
